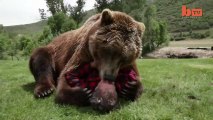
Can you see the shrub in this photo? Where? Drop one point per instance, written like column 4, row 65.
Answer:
column 207, row 33
column 179, row 38
column 199, row 35
column 60, row 23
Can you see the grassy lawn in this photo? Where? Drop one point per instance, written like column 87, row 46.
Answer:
column 192, row 43
column 174, row 89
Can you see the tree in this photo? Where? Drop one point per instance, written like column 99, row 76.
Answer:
column 163, row 33
column 77, row 12
column 2, row 46
column 1, row 28
column 13, row 49
column 2, row 41
column 46, row 36
column 60, row 23
column 29, row 48
column 56, row 6
column 150, row 15
column 156, row 30
column 69, row 24
column 42, row 14
column 4, row 38
column 134, row 8
column 22, row 42
column 116, row 5
column 102, row 4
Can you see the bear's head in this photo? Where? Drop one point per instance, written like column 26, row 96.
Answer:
column 116, row 43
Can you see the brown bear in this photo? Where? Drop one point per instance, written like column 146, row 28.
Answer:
column 109, row 41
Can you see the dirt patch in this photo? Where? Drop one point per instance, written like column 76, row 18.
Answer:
column 180, row 52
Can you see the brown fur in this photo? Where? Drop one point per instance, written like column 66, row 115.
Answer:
column 110, row 41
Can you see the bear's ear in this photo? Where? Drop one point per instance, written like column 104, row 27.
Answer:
column 106, row 17
column 141, row 28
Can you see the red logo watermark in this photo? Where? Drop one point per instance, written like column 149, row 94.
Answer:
column 186, row 12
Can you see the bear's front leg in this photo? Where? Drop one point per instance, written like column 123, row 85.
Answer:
column 76, row 85
column 74, row 96
column 128, row 83
column 69, row 91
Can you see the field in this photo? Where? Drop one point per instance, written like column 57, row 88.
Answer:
column 192, row 43
column 174, row 89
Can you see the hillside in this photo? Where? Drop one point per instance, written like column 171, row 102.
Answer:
column 26, row 29
column 168, row 10
column 171, row 10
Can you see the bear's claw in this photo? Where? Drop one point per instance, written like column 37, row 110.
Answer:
column 88, row 92
column 129, row 90
column 44, row 93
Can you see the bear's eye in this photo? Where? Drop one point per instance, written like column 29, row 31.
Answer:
column 101, row 32
column 129, row 34
column 130, row 30
column 104, row 41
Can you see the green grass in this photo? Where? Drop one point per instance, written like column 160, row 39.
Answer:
column 192, row 43
column 174, row 89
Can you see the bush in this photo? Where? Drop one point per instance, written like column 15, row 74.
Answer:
column 179, row 38
column 207, row 33
column 1, row 48
column 22, row 42
column 45, row 37
column 68, row 25
column 198, row 35
column 60, row 23
column 203, row 25
column 3, row 44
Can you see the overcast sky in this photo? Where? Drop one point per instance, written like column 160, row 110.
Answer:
column 16, row 12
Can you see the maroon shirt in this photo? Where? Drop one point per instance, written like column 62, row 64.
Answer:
column 86, row 76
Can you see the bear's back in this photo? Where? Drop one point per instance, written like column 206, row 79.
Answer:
column 64, row 45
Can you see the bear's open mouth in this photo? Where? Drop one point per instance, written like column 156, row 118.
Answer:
column 86, row 76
